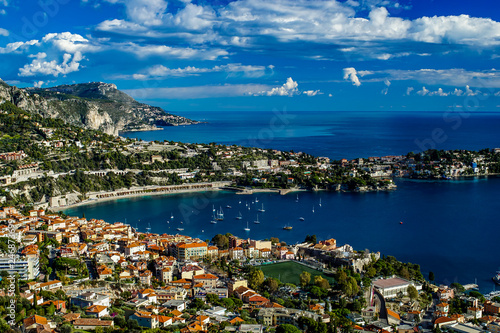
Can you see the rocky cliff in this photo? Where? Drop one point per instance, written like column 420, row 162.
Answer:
column 93, row 105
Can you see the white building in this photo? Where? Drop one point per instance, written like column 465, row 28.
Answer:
column 392, row 287
column 27, row 268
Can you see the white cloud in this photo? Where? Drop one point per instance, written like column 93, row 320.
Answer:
column 69, row 64
column 351, row 74
column 38, row 84
column 423, row 92
column 312, row 92
column 197, row 92
column 147, row 12
column 70, row 43
column 450, row 77
column 441, row 93
column 2, row 12
column 17, row 46
column 4, row 32
column 409, row 90
column 176, row 52
column 289, row 88
column 160, row 71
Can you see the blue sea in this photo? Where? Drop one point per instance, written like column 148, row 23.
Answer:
column 449, row 227
column 338, row 134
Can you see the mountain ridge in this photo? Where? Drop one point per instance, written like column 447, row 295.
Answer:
column 94, row 105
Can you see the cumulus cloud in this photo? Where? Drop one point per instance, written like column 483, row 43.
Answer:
column 289, row 88
column 39, row 66
column 351, row 74
column 72, row 43
column 38, row 84
column 441, row 93
column 17, row 46
column 423, row 92
column 147, row 12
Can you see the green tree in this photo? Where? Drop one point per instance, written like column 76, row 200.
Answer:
column 272, row 284
column 66, row 328
column 321, row 282
column 255, row 278
column 431, row 276
column 412, row 292
column 458, row 287
column 287, row 328
column 305, row 278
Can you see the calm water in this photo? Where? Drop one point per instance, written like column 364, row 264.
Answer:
column 338, row 134
column 449, row 227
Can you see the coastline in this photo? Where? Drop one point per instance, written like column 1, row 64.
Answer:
column 144, row 191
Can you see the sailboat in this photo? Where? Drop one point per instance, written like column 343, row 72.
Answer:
column 247, row 228
column 256, row 200
column 239, row 217
column 257, row 221
column 297, row 200
column 148, row 229
column 220, row 215
column 320, row 202
column 171, row 216
column 213, row 208
column 313, row 209
column 262, row 209
column 214, row 220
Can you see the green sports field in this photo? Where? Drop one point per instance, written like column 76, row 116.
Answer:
column 288, row 272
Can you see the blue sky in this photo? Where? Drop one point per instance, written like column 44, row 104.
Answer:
column 408, row 55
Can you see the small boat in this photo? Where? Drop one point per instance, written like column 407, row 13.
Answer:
column 313, row 209
column 400, row 222
column 171, row 216
column 180, row 229
column 214, row 220
column 220, row 215
column 239, row 202
column 182, row 222
column 297, row 200
column 496, row 278
column 287, row 227
column 256, row 200
column 301, row 218
column 213, row 208
column 262, row 209
column 247, row 228
column 257, row 221
column 320, row 202
column 148, row 229
column 239, row 217
column 229, row 207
